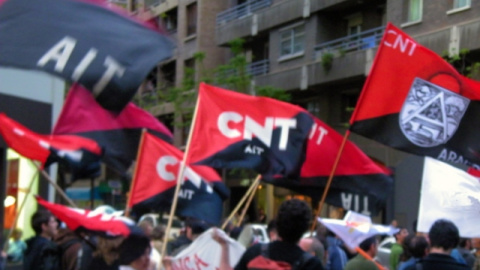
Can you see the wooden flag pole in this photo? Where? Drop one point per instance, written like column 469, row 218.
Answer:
column 245, row 208
column 250, row 189
column 17, row 213
column 179, row 180
column 57, row 188
column 132, row 183
column 368, row 257
column 329, row 182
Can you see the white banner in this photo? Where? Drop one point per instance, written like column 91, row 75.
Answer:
column 449, row 193
column 204, row 253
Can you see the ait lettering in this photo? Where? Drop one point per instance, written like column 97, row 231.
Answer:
column 318, row 132
column 60, row 54
column 453, row 157
column 186, row 194
column 253, row 149
column 353, row 202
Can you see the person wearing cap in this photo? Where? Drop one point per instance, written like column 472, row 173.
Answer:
column 193, row 228
column 134, row 252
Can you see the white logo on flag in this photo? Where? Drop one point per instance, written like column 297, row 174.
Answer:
column 431, row 114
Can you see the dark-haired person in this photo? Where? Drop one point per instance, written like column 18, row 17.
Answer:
column 45, row 226
column 292, row 221
column 397, row 248
column 444, row 237
column 417, row 247
column 370, row 246
column 134, row 253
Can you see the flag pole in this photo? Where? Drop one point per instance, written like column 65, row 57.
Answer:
column 132, row 183
column 17, row 214
column 180, row 176
column 57, row 188
column 250, row 189
column 368, row 257
column 245, row 208
column 330, row 178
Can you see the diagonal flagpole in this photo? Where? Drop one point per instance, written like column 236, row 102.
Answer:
column 132, row 183
column 252, row 194
column 180, row 177
column 329, row 182
column 57, row 188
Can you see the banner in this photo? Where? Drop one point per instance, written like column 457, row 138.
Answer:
column 80, row 155
column 204, row 253
column 354, row 228
column 155, row 178
column 359, row 184
column 88, row 221
column 449, row 193
column 415, row 101
column 234, row 130
column 118, row 133
column 83, row 42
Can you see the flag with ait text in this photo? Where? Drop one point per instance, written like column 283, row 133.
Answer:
column 415, row 101
column 118, row 133
column 80, row 155
column 81, row 41
column 359, row 183
column 201, row 194
column 234, row 130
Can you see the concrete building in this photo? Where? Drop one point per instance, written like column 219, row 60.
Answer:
column 322, row 51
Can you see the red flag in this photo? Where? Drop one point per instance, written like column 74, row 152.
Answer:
column 47, row 148
column 118, row 133
column 155, row 180
column 234, row 130
column 90, row 221
column 356, row 174
column 415, row 101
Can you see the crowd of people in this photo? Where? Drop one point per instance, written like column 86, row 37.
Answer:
column 55, row 248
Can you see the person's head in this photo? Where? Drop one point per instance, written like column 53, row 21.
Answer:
column 293, row 219
column 401, row 234
column 135, row 251
column 158, row 232
column 465, row 243
column 272, row 230
column 313, row 246
column 107, row 248
column 17, row 234
column 370, row 245
column 146, row 226
column 195, row 227
column 44, row 224
column 417, row 246
column 444, row 234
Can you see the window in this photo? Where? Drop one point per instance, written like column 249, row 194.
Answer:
column 415, row 10
column 461, row 4
column 292, row 41
column 192, row 19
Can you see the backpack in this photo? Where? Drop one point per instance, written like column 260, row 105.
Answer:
column 50, row 257
column 84, row 254
column 263, row 262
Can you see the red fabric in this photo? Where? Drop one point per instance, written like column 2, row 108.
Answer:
column 262, row 263
column 35, row 146
column 399, row 60
column 148, row 182
column 81, row 113
column 75, row 218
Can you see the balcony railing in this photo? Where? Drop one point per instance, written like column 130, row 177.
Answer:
column 361, row 41
column 254, row 69
column 242, row 10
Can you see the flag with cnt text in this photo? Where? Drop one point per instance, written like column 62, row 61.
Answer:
column 415, row 101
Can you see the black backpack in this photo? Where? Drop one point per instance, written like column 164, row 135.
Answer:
column 51, row 257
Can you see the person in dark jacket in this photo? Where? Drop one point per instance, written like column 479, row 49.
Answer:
column 45, row 226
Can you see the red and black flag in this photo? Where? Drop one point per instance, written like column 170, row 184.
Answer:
column 118, row 133
column 415, row 101
column 81, row 41
column 234, row 130
column 202, row 192
column 80, row 155
column 359, row 184
column 95, row 222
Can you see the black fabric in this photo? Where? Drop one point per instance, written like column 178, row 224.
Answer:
column 32, row 257
column 435, row 261
column 132, row 248
column 281, row 251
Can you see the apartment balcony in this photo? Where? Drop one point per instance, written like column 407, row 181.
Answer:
column 253, row 69
column 242, row 10
column 158, row 7
column 352, row 58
